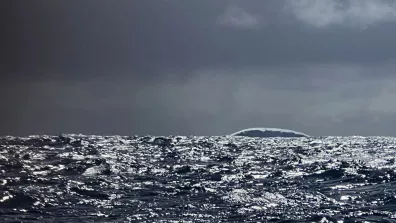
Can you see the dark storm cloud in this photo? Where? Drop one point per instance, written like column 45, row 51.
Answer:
column 140, row 38
column 197, row 67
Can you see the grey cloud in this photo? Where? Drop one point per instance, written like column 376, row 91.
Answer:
column 356, row 13
column 212, row 102
column 141, row 39
column 235, row 16
column 383, row 101
column 167, row 68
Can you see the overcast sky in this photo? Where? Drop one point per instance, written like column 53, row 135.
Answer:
column 202, row 67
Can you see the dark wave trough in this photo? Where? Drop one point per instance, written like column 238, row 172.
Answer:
column 76, row 178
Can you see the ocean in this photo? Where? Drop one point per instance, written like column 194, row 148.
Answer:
column 79, row 178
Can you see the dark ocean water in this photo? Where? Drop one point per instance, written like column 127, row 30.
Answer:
column 76, row 178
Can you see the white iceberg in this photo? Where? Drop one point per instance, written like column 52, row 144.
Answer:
column 268, row 132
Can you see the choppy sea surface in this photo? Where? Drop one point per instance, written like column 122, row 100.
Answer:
column 78, row 178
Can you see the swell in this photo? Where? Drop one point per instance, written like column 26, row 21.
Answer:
column 77, row 178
